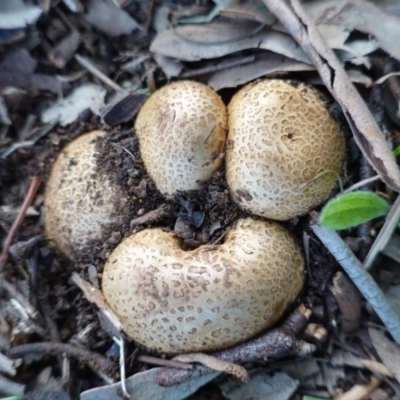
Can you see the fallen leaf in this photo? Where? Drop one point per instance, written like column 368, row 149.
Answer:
column 176, row 44
column 16, row 14
column 83, row 97
column 32, row 83
column 334, row 35
column 122, row 108
column 278, row 386
column 265, row 64
column 388, row 351
column 143, row 386
column 356, row 51
column 18, row 61
column 74, row 5
column 361, row 15
column 249, row 10
column 110, row 19
column 301, row 368
column 170, row 66
column 218, row 32
column 352, row 209
column 65, row 50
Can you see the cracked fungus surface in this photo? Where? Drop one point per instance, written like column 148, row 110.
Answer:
column 181, row 131
column 172, row 301
column 80, row 203
column 280, row 138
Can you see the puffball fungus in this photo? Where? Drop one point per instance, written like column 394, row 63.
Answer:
column 281, row 137
column 174, row 301
column 181, row 131
column 80, row 202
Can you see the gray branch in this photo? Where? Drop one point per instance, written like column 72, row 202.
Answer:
column 361, row 278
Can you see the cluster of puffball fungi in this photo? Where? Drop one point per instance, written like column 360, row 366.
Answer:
column 283, row 152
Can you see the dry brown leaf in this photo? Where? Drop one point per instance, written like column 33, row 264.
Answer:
column 183, row 44
column 365, row 129
column 360, row 15
column 388, row 351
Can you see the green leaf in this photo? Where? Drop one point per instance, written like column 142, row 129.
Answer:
column 314, row 398
column 396, row 151
column 12, row 398
column 352, row 209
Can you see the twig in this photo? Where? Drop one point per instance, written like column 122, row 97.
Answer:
column 120, row 344
column 97, row 73
column 94, row 360
column 96, row 296
column 278, row 342
column 384, row 234
column 360, row 277
column 362, row 183
column 377, row 367
column 359, row 392
column 16, row 146
column 153, row 215
column 163, row 362
column 215, row 364
column 36, row 181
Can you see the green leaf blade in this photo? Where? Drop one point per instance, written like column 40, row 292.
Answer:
column 352, row 209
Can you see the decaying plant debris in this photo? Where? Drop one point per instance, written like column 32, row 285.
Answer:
column 69, row 67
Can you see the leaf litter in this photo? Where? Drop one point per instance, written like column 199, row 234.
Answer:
column 242, row 42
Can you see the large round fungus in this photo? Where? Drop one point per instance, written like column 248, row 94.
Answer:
column 81, row 202
column 181, row 131
column 175, row 301
column 284, row 149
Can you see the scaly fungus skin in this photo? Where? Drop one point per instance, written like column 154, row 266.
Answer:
column 80, row 202
column 181, row 131
column 281, row 137
column 173, row 301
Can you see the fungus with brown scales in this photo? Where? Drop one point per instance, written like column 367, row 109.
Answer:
column 81, row 202
column 247, row 294
column 288, row 150
column 181, row 130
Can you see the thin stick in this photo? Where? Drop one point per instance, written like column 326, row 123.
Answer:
column 359, row 392
column 94, row 360
column 275, row 343
column 163, row 362
column 120, row 344
column 361, row 184
column 384, row 234
column 94, row 295
column 360, row 277
column 97, row 73
column 36, row 181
